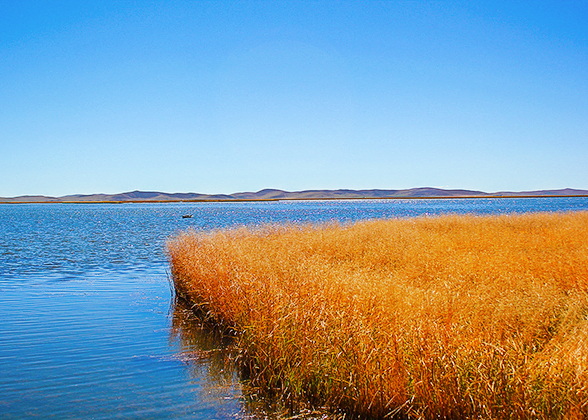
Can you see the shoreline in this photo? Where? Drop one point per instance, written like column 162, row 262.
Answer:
column 245, row 200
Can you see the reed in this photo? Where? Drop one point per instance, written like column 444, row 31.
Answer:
column 435, row 317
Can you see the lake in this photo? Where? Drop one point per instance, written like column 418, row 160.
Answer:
column 88, row 324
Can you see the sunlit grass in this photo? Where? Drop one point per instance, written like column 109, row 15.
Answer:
column 433, row 317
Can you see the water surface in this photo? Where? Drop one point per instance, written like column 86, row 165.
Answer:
column 88, row 327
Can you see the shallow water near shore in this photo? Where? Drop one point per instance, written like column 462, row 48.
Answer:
column 89, row 329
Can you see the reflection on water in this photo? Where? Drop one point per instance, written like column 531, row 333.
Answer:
column 206, row 351
column 100, row 348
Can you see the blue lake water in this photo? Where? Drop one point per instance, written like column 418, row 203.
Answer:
column 88, row 327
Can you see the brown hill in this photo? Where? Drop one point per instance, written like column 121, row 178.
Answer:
column 274, row 194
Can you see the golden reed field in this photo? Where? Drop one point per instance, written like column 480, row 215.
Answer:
column 435, row 317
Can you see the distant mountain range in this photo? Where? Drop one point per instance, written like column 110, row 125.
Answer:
column 269, row 194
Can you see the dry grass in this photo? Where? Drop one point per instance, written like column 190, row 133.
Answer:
column 435, row 317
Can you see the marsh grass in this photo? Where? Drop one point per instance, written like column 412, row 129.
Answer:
column 434, row 317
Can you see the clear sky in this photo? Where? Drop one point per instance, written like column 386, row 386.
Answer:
column 229, row 96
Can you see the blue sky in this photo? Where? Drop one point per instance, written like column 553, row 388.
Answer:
column 221, row 97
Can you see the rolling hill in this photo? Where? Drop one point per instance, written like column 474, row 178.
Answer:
column 274, row 194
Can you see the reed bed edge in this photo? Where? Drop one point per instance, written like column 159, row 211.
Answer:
column 433, row 317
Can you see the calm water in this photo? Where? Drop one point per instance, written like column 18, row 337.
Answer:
column 88, row 329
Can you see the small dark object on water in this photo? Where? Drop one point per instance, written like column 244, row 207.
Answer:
column 186, row 216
